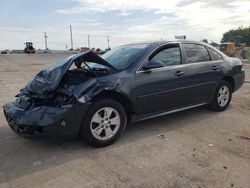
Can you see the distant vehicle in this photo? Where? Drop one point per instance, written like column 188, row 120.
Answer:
column 180, row 37
column 97, row 96
column 232, row 49
column 29, row 48
column 5, row 52
column 84, row 49
column 98, row 51
column 17, row 51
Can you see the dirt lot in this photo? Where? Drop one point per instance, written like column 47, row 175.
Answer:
column 198, row 147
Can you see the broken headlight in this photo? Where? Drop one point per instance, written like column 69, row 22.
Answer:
column 24, row 102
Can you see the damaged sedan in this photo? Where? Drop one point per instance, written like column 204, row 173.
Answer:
column 97, row 96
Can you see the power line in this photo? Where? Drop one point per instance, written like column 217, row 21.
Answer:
column 30, row 31
column 19, row 31
column 54, row 32
column 104, row 36
column 45, row 35
column 11, row 41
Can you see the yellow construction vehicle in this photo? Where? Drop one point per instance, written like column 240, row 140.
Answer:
column 228, row 48
column 233, row 50
column 29, row 48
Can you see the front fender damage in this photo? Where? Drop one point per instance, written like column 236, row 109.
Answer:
column 88, row 90
column 39, row 107
column 63, row 118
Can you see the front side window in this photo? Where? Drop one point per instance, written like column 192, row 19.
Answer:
column 168, row 56
column 196, row 53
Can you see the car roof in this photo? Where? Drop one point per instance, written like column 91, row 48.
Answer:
column 227, row 43
column 157, row 43
column 160, row 42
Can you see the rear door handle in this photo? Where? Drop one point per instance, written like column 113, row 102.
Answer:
column 179, row 73
column 214, row 67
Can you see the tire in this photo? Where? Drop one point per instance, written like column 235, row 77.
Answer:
column 222, row 96
column 104, row 123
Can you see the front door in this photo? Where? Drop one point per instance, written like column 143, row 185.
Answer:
column 163, row 88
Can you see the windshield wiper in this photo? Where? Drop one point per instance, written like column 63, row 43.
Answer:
column 100, row 69
column 90, row 69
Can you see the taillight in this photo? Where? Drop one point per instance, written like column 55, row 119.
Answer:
column 241, row 65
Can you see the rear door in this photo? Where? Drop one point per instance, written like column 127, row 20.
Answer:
column 162, row 89
column 203, row 73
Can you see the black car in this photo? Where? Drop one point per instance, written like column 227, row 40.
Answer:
column 97, row 96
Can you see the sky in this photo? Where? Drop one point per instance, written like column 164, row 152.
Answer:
column 123, row 21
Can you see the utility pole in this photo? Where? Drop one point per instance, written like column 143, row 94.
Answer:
column 88, row 41
column 71, row 39
column 45, row 38
column 108, row 41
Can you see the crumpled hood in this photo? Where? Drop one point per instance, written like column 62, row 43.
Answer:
column 48, row 79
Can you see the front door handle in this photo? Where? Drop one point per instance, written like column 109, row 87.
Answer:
column 179, row 73
column 214, row 67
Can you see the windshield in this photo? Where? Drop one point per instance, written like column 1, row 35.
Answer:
column 123, row 56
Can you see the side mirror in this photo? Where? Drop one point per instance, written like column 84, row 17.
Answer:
column 153, row 64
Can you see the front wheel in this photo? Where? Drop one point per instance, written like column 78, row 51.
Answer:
column 222, row 96
column 103, row 123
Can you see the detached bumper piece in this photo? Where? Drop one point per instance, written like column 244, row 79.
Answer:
column 21, row 129
column 44, row 119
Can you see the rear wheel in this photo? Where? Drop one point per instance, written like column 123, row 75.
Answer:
column 103, row 123
column 222, row 96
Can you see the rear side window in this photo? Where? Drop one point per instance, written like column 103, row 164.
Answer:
column 169, row 56
column 196, row 53
column 215, row 55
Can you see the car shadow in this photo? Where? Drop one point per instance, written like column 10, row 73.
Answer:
column 21, row 156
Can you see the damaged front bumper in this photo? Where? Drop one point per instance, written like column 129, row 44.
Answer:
column 65, row 120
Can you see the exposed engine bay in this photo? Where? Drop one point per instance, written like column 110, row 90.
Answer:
column 75, row 75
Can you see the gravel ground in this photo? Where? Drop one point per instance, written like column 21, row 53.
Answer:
column 194, row 148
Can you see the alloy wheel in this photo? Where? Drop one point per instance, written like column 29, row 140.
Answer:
column 105, row 123
column 223, row 96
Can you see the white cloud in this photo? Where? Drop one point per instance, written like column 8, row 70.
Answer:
column 120, row 5
column 211, row 18
column 124, row 14
column 94, row 23
column 197, row 19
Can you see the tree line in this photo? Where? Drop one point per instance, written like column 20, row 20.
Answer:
column 240, row 35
